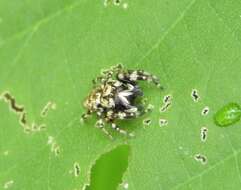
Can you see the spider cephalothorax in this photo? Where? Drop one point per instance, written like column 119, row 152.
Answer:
column 116, row 96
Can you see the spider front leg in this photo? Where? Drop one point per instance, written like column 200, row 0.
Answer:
column 101, row 125
column 136, row 111
column 135, row 75
column 107, row 74
column 101, row 79
column 85, row 116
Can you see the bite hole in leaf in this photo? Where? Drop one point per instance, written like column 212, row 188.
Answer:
column 108, row 170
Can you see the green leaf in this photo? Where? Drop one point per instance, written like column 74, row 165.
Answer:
column 51, row 50
column 105, row 175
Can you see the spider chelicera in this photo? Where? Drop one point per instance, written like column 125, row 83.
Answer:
column 116, row 96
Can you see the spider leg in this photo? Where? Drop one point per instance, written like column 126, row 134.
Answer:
column 107, row 74
column 117, row 67
column 133, row 112
column 101, row 79
column 96, row 80
column 121, row 131
column 135, row 75
column 85, row 116
column 101, row 125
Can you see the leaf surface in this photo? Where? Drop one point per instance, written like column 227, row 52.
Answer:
column 51, row 50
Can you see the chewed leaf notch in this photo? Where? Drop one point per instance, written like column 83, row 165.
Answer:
column 109, row 168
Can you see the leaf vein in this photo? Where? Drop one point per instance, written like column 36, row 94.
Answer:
column 207, row 170
column 46, row 19
column 163, row 37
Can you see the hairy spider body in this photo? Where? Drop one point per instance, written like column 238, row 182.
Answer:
column 115, row 96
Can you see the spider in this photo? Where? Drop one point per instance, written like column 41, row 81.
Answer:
column 116, row 96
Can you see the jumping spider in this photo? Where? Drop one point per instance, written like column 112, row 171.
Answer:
column 116, row 96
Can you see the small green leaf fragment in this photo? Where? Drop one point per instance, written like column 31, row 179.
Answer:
column 228, row 115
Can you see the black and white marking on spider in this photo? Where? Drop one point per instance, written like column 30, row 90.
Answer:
column 116, row 95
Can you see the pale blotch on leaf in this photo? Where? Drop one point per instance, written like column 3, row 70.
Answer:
column 38, row 128
column 54, row 147
column 76, row 169
column 183, row 150
column 125, row 185
column 11, row 101
column 195, row 96
column 204, row 134
column 125, row 5
column 146, row 122
column 167, row 101
column 6, row 153
column 180, row 148
column 50, row 140
column 201, row 158
column 116, row 3
column 167, row 98
column 49, row 106
column 163, row 122
column 17, row 109
column 112, row 2
column 205, row 111
column 228, row 115
column 21, row 112
column 8, row 184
